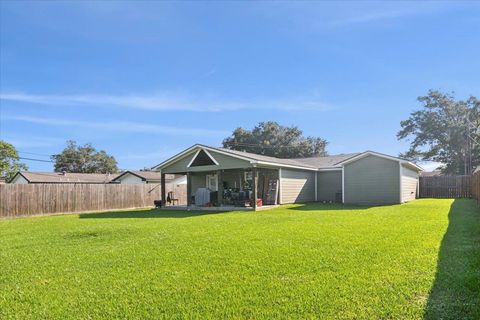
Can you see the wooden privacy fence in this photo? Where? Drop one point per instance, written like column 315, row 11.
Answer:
column 445, row 187
column 34, row 199
column 476, row 186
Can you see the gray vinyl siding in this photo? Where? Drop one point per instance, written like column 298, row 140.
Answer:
column 224, row 161
column 297, row 186
column 199, row 180
column 328, row 184
column 409, row 184
column 372, row 180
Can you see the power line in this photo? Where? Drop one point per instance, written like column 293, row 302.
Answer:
column 35, row 154
column 39, row 160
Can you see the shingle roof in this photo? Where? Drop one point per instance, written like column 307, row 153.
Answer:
column 259, row 157
column 313, row 162
column 326, row 162
column 147, row 175
column 59, row 177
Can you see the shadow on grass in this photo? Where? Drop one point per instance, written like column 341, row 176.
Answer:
column 150, row 214
column 319, row 206
column 455, row 293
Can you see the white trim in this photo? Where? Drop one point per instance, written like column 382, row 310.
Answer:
column 400, row 176
column 380, row 155
column 216, row 180
column 227, row 153
column 211, row 157
column 316, row 186
column 281, row 186
column 188, row 150
column 285, row 165
column 193, row 158
column 196, row 154
column 175, row 157
column 413, row 165
column 253, row 161
column 343, row 184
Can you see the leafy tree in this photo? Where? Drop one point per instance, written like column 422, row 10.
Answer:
column 84, row 159
column 444, row 130
column 9, row 158
column 271, row 139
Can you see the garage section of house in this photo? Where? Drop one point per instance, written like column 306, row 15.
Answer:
column 376, row 179
column 224, row 178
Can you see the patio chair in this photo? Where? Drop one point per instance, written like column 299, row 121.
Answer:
column 171, row 198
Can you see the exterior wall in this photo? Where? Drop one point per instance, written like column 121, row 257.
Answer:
column 409, row 184
column 225, row 162
column 131, row 179
column 19, row 180
column 328, row 184
column 297, row 186
column 198, row 181
column 372, row 180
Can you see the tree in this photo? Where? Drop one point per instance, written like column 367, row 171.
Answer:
column 9, row 158
column 444, row 130
column 271, row 139
column 84, row 159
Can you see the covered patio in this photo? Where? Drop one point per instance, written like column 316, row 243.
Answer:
column 217, row 182
column 231, row 189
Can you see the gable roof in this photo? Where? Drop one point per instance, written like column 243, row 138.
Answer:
column 381, row 155
column 327, row 162
column 261, row 158
column 145, row 175
column 247, row 156
column 59, row 177
column 312, row 163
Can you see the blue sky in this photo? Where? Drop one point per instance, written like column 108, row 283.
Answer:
column 144, row 80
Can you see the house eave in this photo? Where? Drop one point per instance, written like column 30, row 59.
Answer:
column 380, row 155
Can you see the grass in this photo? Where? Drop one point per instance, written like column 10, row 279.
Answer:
column 411, row 261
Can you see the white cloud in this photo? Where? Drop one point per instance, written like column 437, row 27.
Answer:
column 387, row 12
column 164, row 102
column 33, row 142
column 313, row 17
column 119, row 126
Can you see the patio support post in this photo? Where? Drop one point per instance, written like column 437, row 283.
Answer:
column 254, row 188
column 220, row 188
column 189, row 189
column 164, row 191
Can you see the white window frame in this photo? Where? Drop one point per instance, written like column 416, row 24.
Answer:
column 207, row 184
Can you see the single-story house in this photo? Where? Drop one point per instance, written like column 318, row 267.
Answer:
column 25, row 177
column 237, row 178
column 142, row 177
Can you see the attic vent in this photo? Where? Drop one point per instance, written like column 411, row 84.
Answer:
column 203, row 159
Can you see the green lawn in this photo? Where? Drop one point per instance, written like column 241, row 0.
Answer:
column 411, row 261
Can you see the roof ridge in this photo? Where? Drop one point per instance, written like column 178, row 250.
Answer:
column 247, row 154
